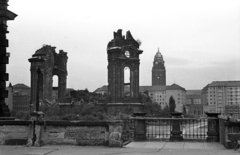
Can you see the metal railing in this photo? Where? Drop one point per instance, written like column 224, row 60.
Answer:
column 161, row 128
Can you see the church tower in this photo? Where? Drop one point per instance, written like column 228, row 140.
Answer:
column 158, row 71
column 123, row 54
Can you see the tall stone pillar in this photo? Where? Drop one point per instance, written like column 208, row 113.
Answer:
column 37, row 61
column 176, row 133
column 213, row 127
column 5, row 15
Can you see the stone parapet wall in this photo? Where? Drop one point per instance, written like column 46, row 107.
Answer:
column 38, row 133
column 229, row 132
column 75, row 135
column 14, row 132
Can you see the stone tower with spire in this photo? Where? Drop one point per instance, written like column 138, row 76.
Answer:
column 158, row 71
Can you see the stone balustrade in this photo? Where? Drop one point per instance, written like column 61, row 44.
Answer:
column 38, row 133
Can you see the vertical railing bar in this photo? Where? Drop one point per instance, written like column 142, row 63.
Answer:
column 194, row 120
column 156, row 128
column 190, row 129
column 147, row 126
column 169, row 128
column 148, row 129
column 200, row 127
column 196, row 128
column 151, row 128
column 165, row 129
column 159, row 135
column 203, row 120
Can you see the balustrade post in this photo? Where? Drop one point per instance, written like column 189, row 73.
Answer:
column 176, row 133
column 140, row 127
column 213, row 127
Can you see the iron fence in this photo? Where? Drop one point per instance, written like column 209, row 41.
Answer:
column 161, row 128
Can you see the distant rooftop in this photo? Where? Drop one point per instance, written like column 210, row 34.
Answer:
column 148, row 88
column 175, row 87
column 225, row 83
column 151, row 88
column 20, row 85
column 193, row 92
column 103, row 88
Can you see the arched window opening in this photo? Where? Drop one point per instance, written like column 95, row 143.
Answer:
column 55, row 87
column 126, row 75
column 126, row 82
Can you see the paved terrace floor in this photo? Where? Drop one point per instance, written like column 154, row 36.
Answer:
column 134, row 148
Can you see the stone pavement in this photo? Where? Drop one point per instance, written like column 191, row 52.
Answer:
column 134, row 148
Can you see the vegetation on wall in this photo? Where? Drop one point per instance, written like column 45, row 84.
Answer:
column 88, row 106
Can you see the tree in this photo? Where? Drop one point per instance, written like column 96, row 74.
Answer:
column 144, row 97
column 172, row 104
column 152, row 109
column 165, row 112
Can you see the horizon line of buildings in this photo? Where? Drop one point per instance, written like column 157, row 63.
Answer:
column 218, row 96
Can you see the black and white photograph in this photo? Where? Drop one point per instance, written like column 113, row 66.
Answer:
column 129, row 77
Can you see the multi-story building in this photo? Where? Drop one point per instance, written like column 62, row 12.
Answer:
column 21, row 88
column 160, row 94
column 21, row 101
column 194, row 104
column 225, row 96
column 179, row 95
column 21, row 97
column 206, row 106
column 158, row 71
column 156, row 93
column 102, row 90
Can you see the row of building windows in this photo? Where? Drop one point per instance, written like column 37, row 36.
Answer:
column 228, row 88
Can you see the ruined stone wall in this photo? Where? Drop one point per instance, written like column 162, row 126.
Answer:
column 14, row 132
column 123, row 52
column 60, row 133
column 50, row 64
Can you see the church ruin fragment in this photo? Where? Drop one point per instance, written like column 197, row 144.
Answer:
column 50, row 63
column 123, row 54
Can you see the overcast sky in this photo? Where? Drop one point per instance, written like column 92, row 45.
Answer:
column 199, row 40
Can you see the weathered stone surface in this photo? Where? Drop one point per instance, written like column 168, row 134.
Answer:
column 75, row 135
column 115, row 140
column 13, row 132
column 95, row 142
column 50, row 63
column 38, row 132
column 116, row 128
column 123, row 52
column 30, row 136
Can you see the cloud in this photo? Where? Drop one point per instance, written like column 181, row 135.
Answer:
column 174, row 61
column 198, row 77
